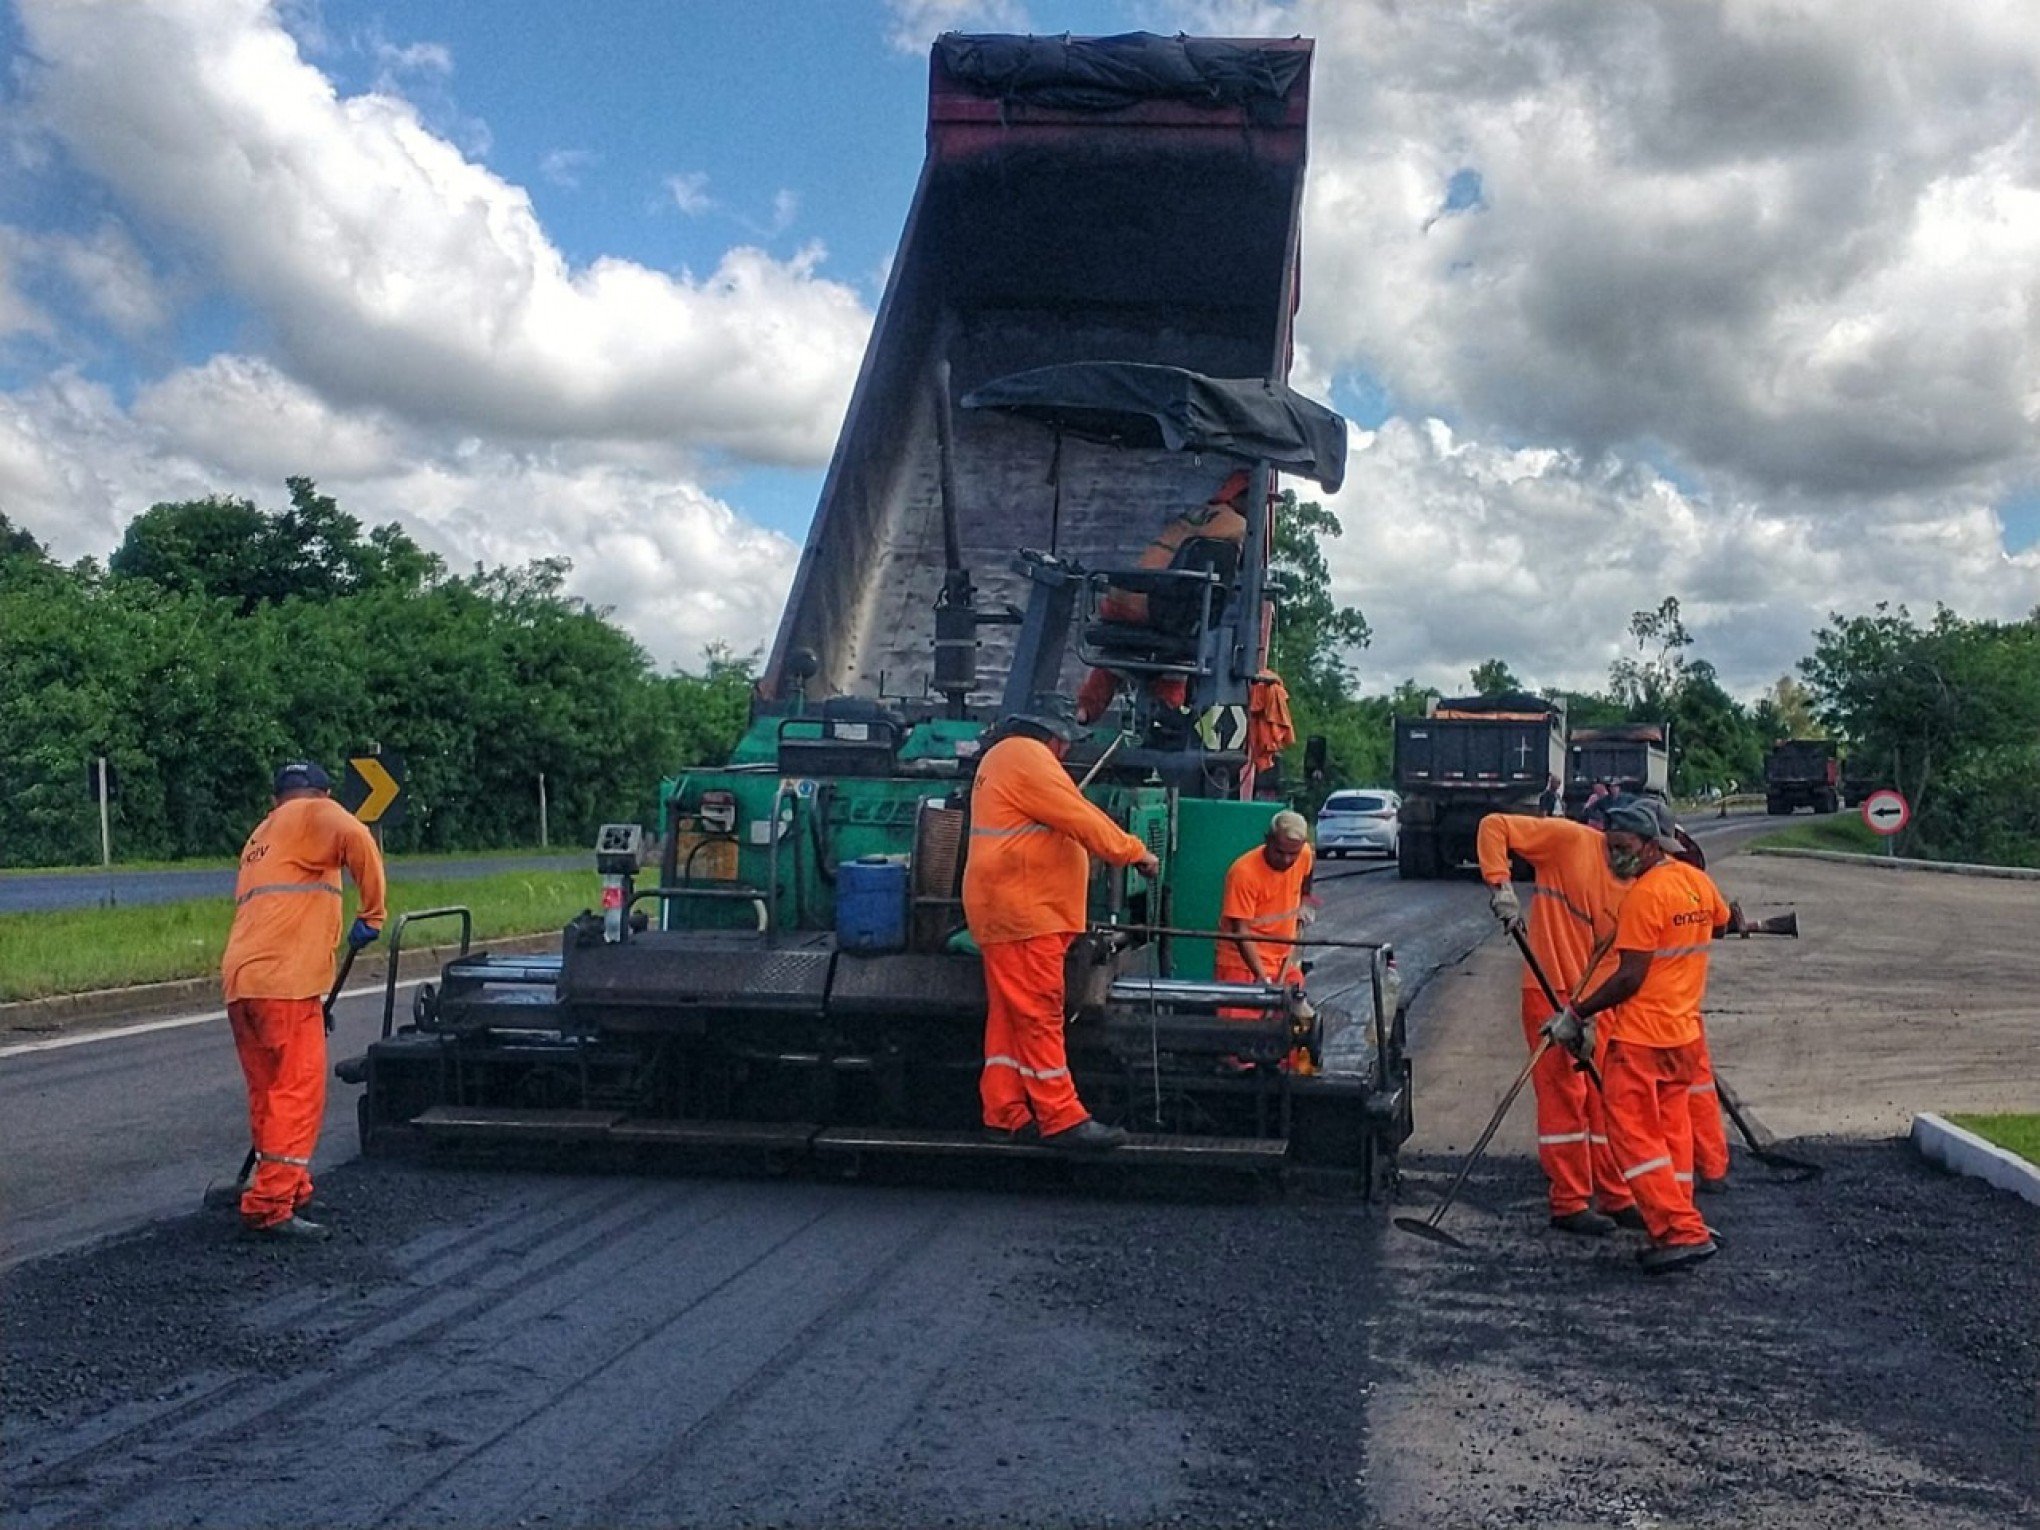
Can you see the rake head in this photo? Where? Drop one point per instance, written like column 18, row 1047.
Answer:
column 1424, row 1227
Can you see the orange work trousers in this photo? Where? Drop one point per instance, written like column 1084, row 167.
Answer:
column 1710, row 1135
column 282, row 1043
column 1572, row 1132
column 1094, row 696
column 1027, row 1070
column 1647, row 1091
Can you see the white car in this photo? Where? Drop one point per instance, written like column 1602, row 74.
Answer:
column 1355, row 820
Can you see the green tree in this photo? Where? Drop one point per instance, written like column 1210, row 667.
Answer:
column 1493, row 677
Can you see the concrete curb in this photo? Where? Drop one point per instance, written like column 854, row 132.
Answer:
column 1942, row 1142
column 1896, row 863
column 62, row 1012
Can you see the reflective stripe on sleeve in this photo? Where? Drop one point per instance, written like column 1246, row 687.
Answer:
column 1258, row 920
column 1031, row 828
column 1645, row 1168
column 287, row 887
column 1025, row 1072
column 1679, row 950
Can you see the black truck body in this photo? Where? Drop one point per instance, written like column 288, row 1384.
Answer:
column 1802, row 773
column 1630, row 757
column 1470, row 757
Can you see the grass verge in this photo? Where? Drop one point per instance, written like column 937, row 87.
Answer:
column 1840, row 831
column 78, row 950
column 2015, row 1133
column 420, row 861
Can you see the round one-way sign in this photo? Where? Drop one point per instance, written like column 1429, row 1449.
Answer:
column 1886, row 811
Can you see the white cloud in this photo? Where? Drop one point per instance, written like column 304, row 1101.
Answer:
column 114, row 279
column 394, row 272
column 917, row 23
column 1795, row 245
column 564, row 167
column 681, row 567
column 690, row 192
column 1459, row 551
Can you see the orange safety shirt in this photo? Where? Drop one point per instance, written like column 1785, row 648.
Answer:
column 287, row 899
column 1217, row 521
column 1574, row 902
column 1026, row 874
column 1672, row 912
column 1271, row 904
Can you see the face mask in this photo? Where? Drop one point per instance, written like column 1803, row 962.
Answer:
column 1626, row 864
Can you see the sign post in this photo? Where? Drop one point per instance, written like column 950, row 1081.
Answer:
column 105, row 821
column 1885, row 812
column 544, row 843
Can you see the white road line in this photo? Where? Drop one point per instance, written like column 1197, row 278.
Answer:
column 174, row 1023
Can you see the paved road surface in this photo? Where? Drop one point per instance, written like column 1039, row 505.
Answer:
column 25, row 892
column 478, row 1349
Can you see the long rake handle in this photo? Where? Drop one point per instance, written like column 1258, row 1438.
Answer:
column 1494, row 1125
column 1586, row 1064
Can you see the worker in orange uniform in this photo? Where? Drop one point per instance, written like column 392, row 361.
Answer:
column 277, row 967
column 1222, row 519
column 1649, row 1016
column 1262, row 907
column 1572, row 920
column 1024, row 887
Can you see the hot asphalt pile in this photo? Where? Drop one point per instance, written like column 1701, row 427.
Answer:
column 1864, row 1351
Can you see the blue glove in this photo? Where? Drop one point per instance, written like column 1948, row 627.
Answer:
column 363, row 934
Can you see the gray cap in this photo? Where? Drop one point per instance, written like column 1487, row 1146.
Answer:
column 1052, row 714
column 1646, row 817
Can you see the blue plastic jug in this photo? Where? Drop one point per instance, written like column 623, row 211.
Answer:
column 871, row 904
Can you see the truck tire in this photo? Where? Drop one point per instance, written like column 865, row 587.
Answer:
column 1777, row 807
column 1415, row 857
column 1826, row 803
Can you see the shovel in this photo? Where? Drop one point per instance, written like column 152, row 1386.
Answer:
column 1770, row 1157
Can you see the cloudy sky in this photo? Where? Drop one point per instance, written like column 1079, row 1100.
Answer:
column 1733, row 301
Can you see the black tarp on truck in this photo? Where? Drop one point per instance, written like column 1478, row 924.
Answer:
column 1470, row 757
column 1802, row 773
column 1630, row 757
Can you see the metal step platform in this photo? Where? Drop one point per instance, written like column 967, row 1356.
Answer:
column 1244, row 1153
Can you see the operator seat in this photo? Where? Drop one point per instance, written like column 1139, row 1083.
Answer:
column 1171, row 634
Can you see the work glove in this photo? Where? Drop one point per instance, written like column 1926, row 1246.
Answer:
column 363, row 934
column 1568, row 1030
column 1507, row 910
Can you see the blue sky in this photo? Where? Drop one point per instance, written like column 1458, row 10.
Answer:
column 592, row 282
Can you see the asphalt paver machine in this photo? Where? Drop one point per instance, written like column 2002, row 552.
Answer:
column 1084, row 333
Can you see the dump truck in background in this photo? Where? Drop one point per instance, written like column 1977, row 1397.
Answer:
column 1629, row 757
column 1084, row 332
column 1471, row 756
column 1802, row 773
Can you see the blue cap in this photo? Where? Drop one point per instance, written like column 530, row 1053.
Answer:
column 302, row 775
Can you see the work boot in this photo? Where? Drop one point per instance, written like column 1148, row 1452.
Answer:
column 1629, row 1219
column 1027, row 1133
column 1667, row 1257
column 1585, row 1223
column 292, row 1229
column 1087, row 1136
column 1711, row 1186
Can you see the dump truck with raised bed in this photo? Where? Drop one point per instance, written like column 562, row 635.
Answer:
column 1086, row 329
column 1802, row 773
column 1628, row 757
column 1467, row 757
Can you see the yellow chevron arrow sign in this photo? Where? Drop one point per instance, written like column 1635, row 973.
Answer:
column 374, row 789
